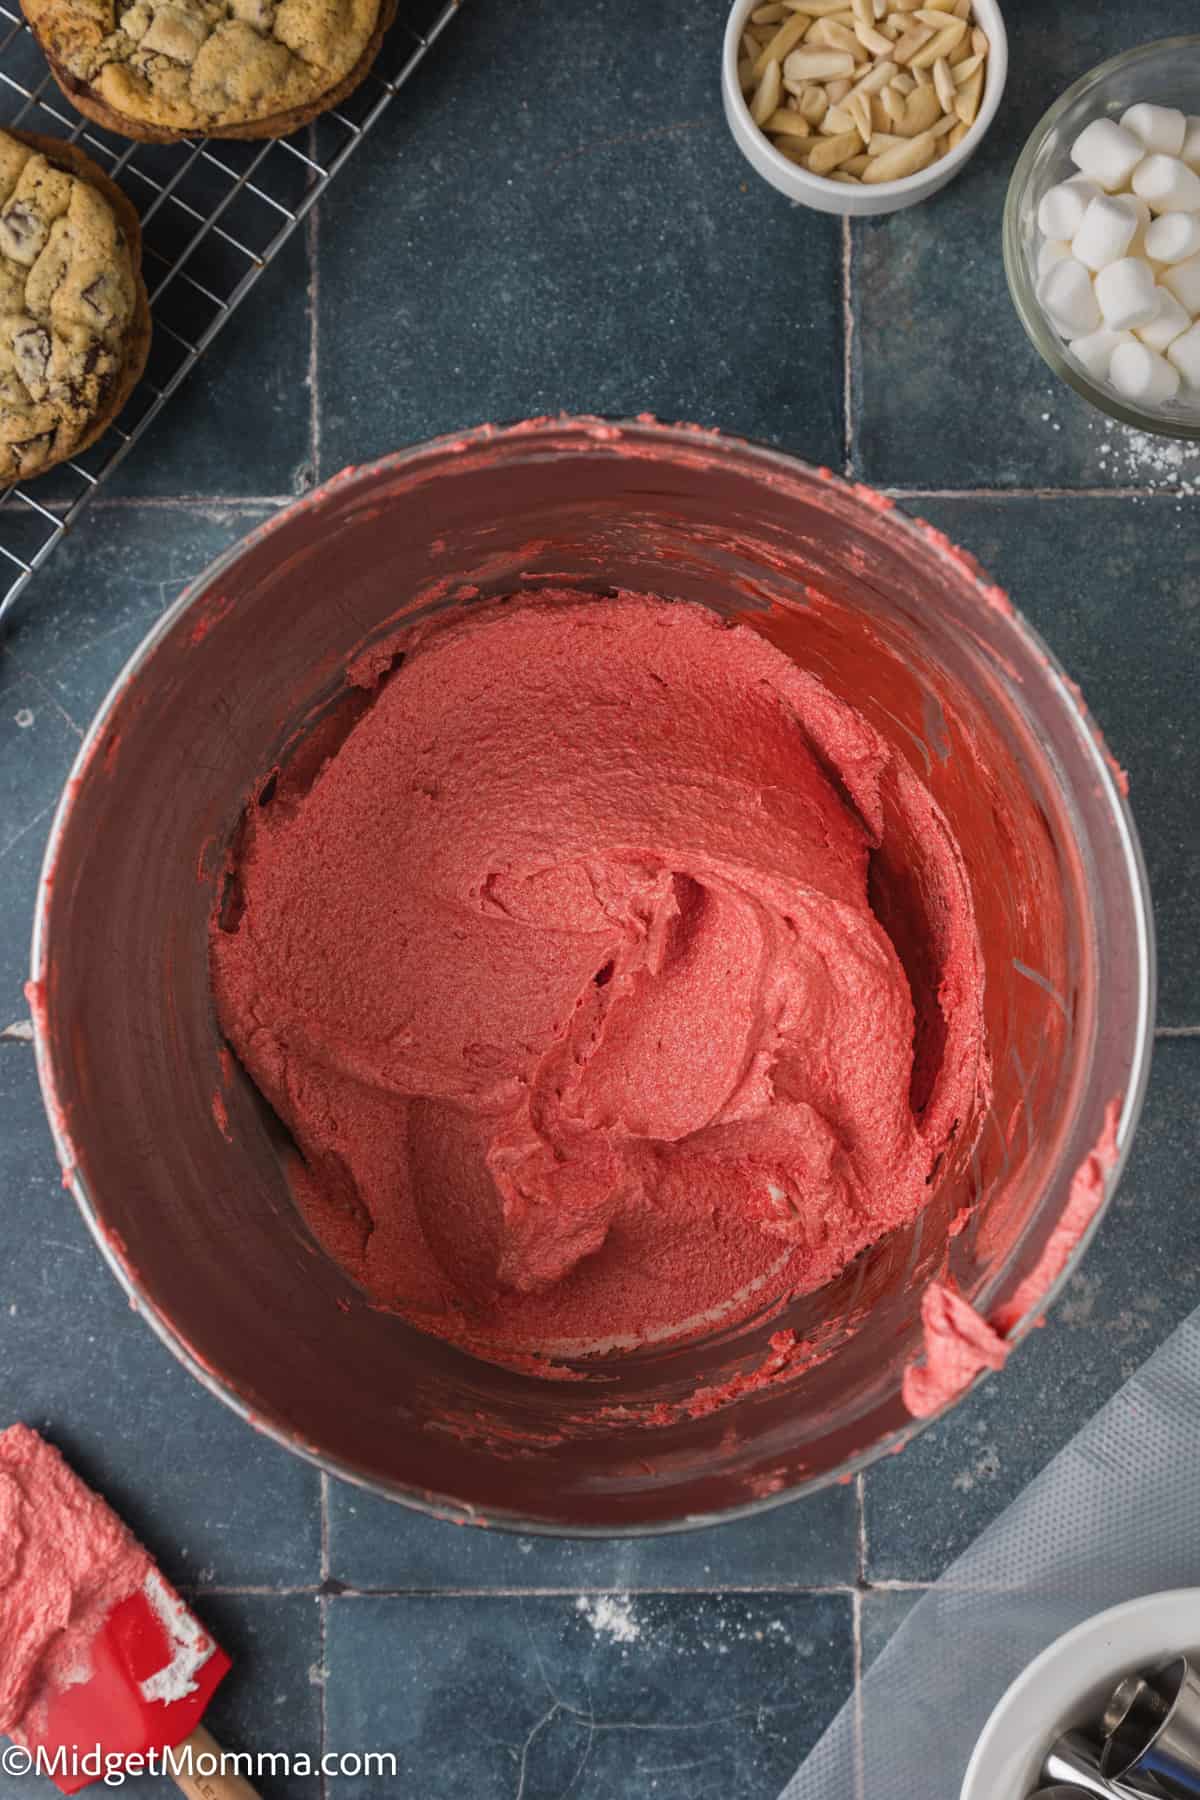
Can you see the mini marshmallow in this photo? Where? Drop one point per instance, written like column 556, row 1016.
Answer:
column 1143, row 375
column 1126, row 293
column 1191, row 144
column 1108, row 229
column 1184, row 356
column 1108, row 153
column 1159, row 127
column 1062, row 207
column 1067, row 294
column 1167, row 184
column 1173, row 237
column 1183, row 279
column 1052, row 250
column 1171, row 322
column 1137, row 244
column 1095, row 351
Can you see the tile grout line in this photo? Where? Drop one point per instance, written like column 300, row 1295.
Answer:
column 856, row 1638
column 847, row 348
column 250, row 502
column 1035, row 493
column 323, row 1635
column 312, row 240
column 336, row 1590
column 860, row 1498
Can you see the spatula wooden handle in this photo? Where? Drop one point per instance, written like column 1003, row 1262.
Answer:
column 209, row 1787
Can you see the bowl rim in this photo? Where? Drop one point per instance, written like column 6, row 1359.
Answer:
column 583, row 431
column 1022, row 290
column 802, row 186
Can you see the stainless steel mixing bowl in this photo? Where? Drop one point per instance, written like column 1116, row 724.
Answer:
column 199, row 1225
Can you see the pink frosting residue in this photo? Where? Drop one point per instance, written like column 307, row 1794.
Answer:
column 65, row 1561
column 1086, row 1196
column 959, row 1341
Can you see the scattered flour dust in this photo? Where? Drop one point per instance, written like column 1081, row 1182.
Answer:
column 610, row 1615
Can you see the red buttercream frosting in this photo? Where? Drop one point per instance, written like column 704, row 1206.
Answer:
column 570, row 973
column 65, row 1561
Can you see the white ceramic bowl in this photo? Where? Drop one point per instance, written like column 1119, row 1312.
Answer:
column 841, row 197
column 1068, row 1684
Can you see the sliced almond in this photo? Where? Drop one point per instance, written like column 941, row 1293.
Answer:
column 818, row 65
column 769, row 15
column 965, row 70
column 894, row 105
column 785, row 123
column 943, row 82
column 857, row 164
column 836, row 91
column 884, row 140
column 961, row 51
column 930, row 13
column 814, row 104
column 962, row 9
column 904, row 6
column 846, row 176
column 837, row 37
column 864, row 11
column 979, row 41
column 969, row 96
column 859, row 108
column 831, row 152
column 822, row 9
column 837, row 121
column 942, row 44
column 913, row 41
column 956, row 136
column 873, row 40
column 750, row 46
column 746, row 74
column 875, row 79
column 920, row 110
column 879, row 118
column 903, row 83
column 923, row 78
column 794, row 150
column 781, row 41
column 770, row 93
column 912, row 156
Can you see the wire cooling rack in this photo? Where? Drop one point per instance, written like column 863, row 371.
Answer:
column 214, row 214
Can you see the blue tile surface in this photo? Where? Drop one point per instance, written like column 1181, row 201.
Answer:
column 377, row 1545
column 553, row 216
column 1139, row 1279
column 1113, row 588
column 580, row 235
column 213, row 1502
column 600, row 1697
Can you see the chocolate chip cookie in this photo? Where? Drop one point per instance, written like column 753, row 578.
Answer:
column 74, row 317
column 165, row 69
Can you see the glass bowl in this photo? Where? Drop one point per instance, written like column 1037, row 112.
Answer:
column 1166, row 72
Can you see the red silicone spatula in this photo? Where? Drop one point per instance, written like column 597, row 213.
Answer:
column 99, row 1657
